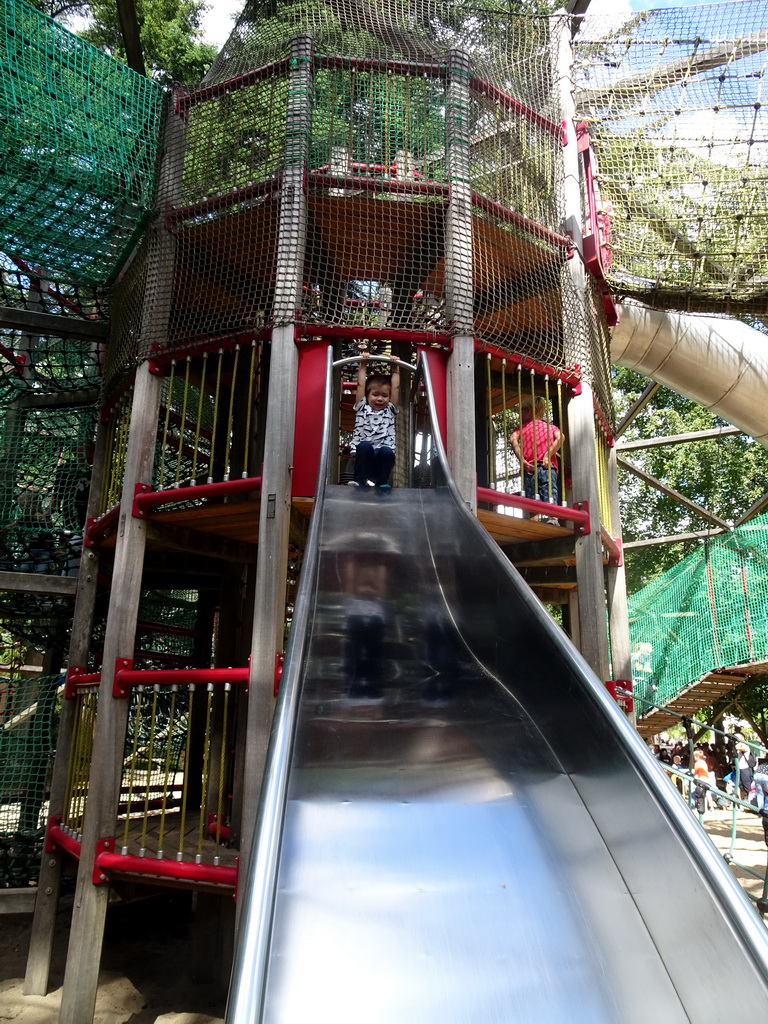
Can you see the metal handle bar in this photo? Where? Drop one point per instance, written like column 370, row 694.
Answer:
column 375, row 359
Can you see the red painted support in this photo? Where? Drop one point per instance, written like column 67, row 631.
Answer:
column 310, row 403
column 97, row 529
column 147, row 867
column 579, row 514
column 437, row 359
column 17, row 362
column 78, row 679
column 127, row 677
column 530, row 227
column 276, row 69
column 625, row 700
column 570, row 377
column 391, row 67
column 57, row 839
column 507, row 102
column 145, row 500
column 614, row 549
column 596, row 241
column 279, row 663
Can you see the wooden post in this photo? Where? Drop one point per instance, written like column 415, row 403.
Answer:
column 459, row 291
column 581, row 426
column 87, row 931
column 618, row 613
column 275, row 514
column 49, row 883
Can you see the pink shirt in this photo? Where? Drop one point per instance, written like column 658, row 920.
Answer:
column 546, row 435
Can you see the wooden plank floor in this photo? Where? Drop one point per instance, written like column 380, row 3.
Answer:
column 239, row 520
column 190, row 844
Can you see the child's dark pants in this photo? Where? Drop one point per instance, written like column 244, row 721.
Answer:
column 542, row 479
column 373, row 464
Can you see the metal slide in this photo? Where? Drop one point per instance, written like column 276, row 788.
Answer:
column 458, row 825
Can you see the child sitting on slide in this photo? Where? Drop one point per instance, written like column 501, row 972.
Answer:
column 373, row 440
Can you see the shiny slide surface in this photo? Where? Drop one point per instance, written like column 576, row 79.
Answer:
column 469, row 830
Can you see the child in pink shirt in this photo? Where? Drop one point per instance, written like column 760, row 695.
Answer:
column 535, row 443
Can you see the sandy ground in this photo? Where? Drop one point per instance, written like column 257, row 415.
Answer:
column 151, row 946
column 148, row 973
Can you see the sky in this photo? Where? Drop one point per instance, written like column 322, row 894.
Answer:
column 217, row 23
column 218, row 20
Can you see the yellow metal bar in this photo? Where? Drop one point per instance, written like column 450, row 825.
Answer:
column 185, row 788
column 230, row 415
column 200, row 397
column 167, row 771
column 249, row 409
column 217, row 391
column 206, row 773
column 183, row 425
column 168, row 403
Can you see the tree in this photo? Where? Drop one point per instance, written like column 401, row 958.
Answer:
column 171, row 37
column 725, row 475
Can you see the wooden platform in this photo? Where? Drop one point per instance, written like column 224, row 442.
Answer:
column 238, row 520
column 229, row 262
column 701, row 694
column 227, row 530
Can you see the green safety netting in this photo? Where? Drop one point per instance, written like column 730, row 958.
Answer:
column 674, row 101
column 166, row 631
column 46, row 454
column 707, row 613
column 79, row 137
column 28, row 710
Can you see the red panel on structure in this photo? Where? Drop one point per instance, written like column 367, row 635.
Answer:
column 438, row 363
column 310, row 396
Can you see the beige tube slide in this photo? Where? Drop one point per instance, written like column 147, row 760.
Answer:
column 720, row 363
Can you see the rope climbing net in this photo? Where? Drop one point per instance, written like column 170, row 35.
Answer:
column 385, row 114
column 709, row 612
column 675, row 106
column 79, row 138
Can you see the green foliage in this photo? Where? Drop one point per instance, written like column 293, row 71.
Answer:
column 171, row 36
column 726, row 476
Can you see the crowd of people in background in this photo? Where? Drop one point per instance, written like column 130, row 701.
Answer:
column 713, row 767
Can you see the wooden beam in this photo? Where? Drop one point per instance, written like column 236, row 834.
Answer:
column 538, row 552
column 552, row 595
column 52, row 324
column 672, row 493
column 665, row 75
column 37, row 583
column 182, row 538
column 637, row 407
column 754, row 509
column 17, row 901
column 696, row 435
column 56, row 400
column 549, row 575
column 699, row 535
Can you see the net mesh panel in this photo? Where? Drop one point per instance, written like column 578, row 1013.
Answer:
column 27, row 721
column 165, row 634
column 674, row 100
column 32, row 361
column 375, row 154
column 709, row 612
column 79, row 139
column 45, row 470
